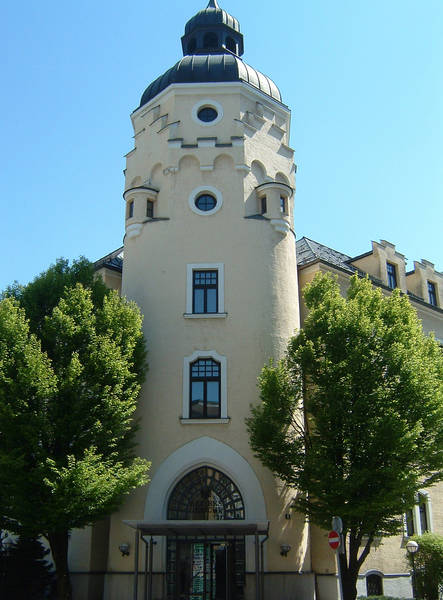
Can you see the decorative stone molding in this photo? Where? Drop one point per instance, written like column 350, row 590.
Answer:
column 280, row 225
column 206, row 142
column 149, row 192
column 278, row 186
column 133, row 230
column 170, row 170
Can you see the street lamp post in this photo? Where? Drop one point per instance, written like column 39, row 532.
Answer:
column 412, row 548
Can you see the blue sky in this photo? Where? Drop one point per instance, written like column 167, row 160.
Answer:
column 364, row 81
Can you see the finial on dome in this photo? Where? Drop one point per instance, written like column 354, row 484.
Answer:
column 213, row 4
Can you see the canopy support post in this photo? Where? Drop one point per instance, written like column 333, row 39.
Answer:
column 257, row 568
column 145, row 577
column 137, row 541
column 151, row 560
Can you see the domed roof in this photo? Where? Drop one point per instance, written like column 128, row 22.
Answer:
column 212, row 45
column 211, row 15
column 200, row 68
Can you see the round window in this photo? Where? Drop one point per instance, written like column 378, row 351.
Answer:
column 205, row 202
column 207, row 114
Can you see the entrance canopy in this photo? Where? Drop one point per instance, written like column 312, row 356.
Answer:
column 191, row 528
column 204, row 528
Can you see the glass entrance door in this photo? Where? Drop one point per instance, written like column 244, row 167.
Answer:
column 203, row 571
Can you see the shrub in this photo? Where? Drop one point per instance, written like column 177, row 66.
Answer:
column 428, row 565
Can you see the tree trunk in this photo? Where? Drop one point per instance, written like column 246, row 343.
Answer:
column 349, row 576
column 58, row 540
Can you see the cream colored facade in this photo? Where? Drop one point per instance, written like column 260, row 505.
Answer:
column 387, row 559
column 240, row 159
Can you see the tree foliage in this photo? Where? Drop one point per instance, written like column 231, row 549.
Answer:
column 428, row 566
column 71, row 366
column 24, row 570
column 352, row 417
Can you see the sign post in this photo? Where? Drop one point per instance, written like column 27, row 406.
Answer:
column 336, row 542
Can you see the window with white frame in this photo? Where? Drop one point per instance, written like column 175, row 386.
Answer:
column 205, row 290
column 204, row 386
column 204, row 391
column 418, row 519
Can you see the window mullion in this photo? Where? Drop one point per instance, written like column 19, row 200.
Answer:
column 205, row 399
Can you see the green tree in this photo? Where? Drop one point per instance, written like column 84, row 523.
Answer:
column 24, row 571
column 428, row 565
column 71, row 365
column 352, row 417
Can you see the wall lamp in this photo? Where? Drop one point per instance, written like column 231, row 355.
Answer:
column 284, row 549
column 124, row 549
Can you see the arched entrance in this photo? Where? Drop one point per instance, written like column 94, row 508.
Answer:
column 202, row 567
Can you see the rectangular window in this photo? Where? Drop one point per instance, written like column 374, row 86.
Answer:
column 204, row 292
column 205, row 389
column 149, row 209
column 282, row 205
column 131, row 209
column 432, row 293
column 205, row 297
column 418, row 520
column 409, row 518
column 423, row 515
column 263, row 206
column 392, row 275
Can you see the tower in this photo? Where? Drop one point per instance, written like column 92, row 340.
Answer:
column 209, row 256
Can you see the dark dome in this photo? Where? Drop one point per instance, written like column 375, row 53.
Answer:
column 200, row 68
column 212, row 15
column 212, row 45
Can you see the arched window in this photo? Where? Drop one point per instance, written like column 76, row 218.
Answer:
column 374, row 585
column 205, row 389
column 230, row 44
column 205, row 494
column 215, row 564
column 210, row 40
column 205, row 382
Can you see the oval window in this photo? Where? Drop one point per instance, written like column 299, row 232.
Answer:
column 205, row 202
column 207, row 114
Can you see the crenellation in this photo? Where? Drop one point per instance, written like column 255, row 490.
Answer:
column 206, row 142
column 168, row 126
column 382, row 260
column 140, row 131
column 162, row 118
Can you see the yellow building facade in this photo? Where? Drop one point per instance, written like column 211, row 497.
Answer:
column 210, row 257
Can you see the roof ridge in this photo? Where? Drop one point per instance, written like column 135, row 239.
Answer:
column 308, row 240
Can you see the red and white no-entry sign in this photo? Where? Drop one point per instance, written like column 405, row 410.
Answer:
column 334, row 539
